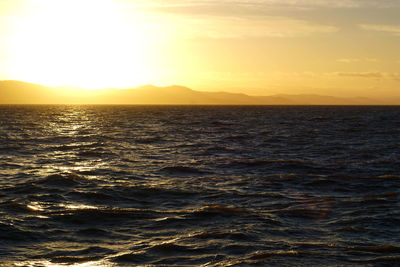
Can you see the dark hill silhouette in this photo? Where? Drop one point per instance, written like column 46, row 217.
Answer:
column 16, row 92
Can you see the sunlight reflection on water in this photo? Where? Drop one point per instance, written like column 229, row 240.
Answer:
column 43, row 263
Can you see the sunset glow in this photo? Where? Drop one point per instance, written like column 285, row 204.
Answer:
column 83, row 43
column 340, row 48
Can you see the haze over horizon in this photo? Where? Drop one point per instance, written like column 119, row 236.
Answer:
column 17, row 92
column 345, row 48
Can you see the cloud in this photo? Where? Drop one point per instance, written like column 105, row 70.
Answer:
column 357, row 60
column 273, row 3
column 325, row 3
column 393, row 29
column 395, row 76
column 377, row 75
column 193, row 19
column 217, row 27
column 370, row 75
column 361, row 74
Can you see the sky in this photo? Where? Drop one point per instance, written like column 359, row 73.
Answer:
column 258, row 47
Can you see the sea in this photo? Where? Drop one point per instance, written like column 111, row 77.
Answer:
column 84, row 185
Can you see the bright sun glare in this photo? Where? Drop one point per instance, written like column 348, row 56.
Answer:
column 87, row 43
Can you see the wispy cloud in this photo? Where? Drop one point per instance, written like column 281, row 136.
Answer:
column 273, row 3
column 395, row 76
column 361, row 74
column 378, row 75
column 371, row 75
column 217, row 27
column 393, row 29
column 357, row 60
column 327, row 3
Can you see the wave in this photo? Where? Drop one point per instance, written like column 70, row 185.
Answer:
column 290, row 164
column 89, row 254
column 98, row 215
column 62, row 180
column 94, row 153
column 93, row 232
column 132, row 258
column 389, row 176
column 384, row 261
column 74, row 259
column 150, row 139
column 267, row 254
column 223, row 209
column 76, row 146
column 379, row 249
column 313, row 213
column 319, row 118
column 11, row 233
column 169, row 247
column 376, row 249
column 182, row 170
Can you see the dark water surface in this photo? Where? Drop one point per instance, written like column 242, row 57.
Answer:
column 212, row 186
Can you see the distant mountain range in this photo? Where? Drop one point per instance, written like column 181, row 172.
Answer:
column 16, row 92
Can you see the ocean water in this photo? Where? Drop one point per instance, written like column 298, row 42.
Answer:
column 202, row 186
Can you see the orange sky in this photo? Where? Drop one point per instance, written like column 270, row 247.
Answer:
column 258, row 47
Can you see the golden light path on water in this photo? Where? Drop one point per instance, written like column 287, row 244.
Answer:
column 67, row 125
column 50, row 264
column 74, row 124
